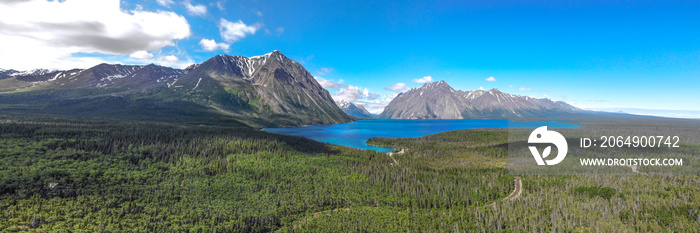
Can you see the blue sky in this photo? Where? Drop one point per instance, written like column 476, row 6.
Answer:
column 592, row 54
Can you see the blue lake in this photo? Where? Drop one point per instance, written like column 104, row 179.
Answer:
column 355, row 134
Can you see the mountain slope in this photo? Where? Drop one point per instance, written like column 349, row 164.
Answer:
column 431, row 101
column 439, row 101
column 354, row 109
column 268, row 90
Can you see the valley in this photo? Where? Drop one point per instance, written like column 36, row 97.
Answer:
column 147, row 176
column 149, row 148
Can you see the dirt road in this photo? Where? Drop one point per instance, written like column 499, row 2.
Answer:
column 391, row 155
column 518, row 189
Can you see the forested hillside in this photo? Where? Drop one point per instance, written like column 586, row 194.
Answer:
column 107, row 176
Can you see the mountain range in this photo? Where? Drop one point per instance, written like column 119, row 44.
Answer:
column 438, row 100
column 262, row 91
column 353, row 109
column 267, row 90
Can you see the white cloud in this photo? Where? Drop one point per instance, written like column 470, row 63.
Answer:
column 373, row 102
column 425, row 79
column 511, row 86
column 196, row 10
column 259, row 13
column 165, row 3
column 171, row 59
column 143, row 55
column 525, row 89
column 481, row 88
column 491, row 79
column 47, row 34
column 234, row 31
column 327, row 83
column 221, row 5
column 211, row 45
column 354, row 94
column 369, row 95
column 399, row 87
column 376, row 105
column 176, row 61
column 349, row 93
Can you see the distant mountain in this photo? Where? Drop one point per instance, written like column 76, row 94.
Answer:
column 268, row 90
column 355, row 110
column 439, row 101
column 431, row 101
column 6, row 73
column 693, row 114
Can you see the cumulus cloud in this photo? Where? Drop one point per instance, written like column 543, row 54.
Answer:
column 171, row 59
column 349, row 93
column 143, row 55
column 234, row 31
column 491, row 79
column 196, row 10
column 481, row 88
column 369, row 95
column 377, row 105
column 327, row 83
column 525, row 89
column 211, row 45
column 46, row 34
column 425, row 79
column 399, row 87
column 373, row 102
column 354, row 94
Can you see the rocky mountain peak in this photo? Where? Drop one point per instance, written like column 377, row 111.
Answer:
column 439, row 84
column 352, row 109
column 438, row 100
column 343, row 103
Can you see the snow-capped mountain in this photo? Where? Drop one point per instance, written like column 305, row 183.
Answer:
column 435, row 100
column 439, row 101
column 354, row 109
column 271, row 86
column 267, row 90
column 14, row 73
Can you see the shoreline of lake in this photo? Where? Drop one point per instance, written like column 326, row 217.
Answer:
column 355, row 134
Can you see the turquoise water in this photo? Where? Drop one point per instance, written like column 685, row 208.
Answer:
column 355, row 134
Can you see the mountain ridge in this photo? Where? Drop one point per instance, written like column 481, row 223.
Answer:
column 266, row 90
column 353, row 109
column 438, row 100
